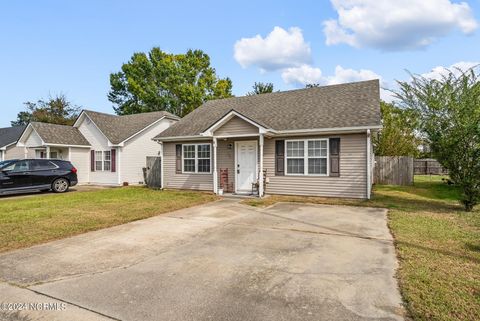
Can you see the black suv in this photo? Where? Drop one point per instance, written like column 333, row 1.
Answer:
column 36, row 174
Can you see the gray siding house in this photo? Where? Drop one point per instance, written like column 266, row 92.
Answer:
column 314, row 141
column 8, row 140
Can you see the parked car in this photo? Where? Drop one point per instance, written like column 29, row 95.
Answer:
column 36, row 175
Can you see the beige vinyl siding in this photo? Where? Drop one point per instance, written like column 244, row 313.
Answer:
column 236, row 126
column 80, row 158
column 226, row 160
column 133, row 157
column 352, row 182
column 14, row 152
column 202, row 182
column 33, row 140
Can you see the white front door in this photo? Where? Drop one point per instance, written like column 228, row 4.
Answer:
column 246, row 165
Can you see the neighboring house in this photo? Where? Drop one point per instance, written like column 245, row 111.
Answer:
column 8, row 140
column 106, row 149
column 314, row 141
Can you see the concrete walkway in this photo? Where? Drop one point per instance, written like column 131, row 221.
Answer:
column 220, row 261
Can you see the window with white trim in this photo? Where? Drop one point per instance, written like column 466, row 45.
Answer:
column 103, row 160
column 98, row 160
column 107, row 160
column 196, row 158
column 306, row 157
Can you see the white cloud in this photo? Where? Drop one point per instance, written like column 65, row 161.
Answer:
column 458, row 67
column 302, row 75
column 279, row 49
column 343, row 75
column 306, row 74
column 396, row 24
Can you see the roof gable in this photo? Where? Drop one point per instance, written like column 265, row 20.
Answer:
column 57, row 134
column 336, row 106
column 118, row 129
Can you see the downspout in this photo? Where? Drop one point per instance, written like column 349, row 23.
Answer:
column 369, row 164
column 162, row 178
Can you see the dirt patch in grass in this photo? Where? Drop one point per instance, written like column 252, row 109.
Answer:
column 437, row 243
column 33, row 220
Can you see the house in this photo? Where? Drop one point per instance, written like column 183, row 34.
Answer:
column 314, row 141
column 8, row 140
column 106, row 149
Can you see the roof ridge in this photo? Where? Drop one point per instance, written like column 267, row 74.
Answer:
column 295, row 90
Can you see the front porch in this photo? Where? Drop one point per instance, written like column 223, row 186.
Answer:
column 49, row 152
column 238, row 165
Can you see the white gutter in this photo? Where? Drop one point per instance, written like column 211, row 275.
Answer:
column 180, row 138
column 272, row 132
column 66, row 145
column 323, row 130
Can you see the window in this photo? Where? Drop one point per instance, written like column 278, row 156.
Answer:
column 295, row 157
column 107, row 161
column 20, row 166
column 103, row 160
column 307, row 157
column 40, row 164
column 98, row 160
column 317, row 157
column 196, row 158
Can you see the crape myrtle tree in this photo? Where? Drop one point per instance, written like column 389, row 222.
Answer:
column 449, row 110
column 161, row 81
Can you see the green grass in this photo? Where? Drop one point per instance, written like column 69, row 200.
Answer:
column 438, row 246
column 32, row 220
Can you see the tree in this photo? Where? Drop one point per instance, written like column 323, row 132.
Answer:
column 398, row 136
column 312, row 85
column 261, row 88
column 55, row 110
column 177, row 83
column 449, row 110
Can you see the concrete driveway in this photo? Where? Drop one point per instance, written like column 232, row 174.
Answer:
column 220, row 261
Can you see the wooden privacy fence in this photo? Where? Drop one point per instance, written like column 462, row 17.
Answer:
column 393, row 170
column 428, row 166
column 153, row 172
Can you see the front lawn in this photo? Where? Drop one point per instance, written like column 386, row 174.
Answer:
column 438, row 246
column 37, row 219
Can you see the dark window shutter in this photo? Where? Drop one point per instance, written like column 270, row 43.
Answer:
column 113, row 160
column 279, row 157
column 92, row 160
column 334, row 157
column 178, row 158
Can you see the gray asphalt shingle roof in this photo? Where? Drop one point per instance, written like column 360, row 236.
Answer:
column 119, row 128
column 336, row 106
column 59, row 134
column 10, row 135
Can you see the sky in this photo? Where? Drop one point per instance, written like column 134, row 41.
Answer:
column 71, row 47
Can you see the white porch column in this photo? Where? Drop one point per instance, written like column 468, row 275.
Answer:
column 260, row 178
column 48, row 151
column 215, row 174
